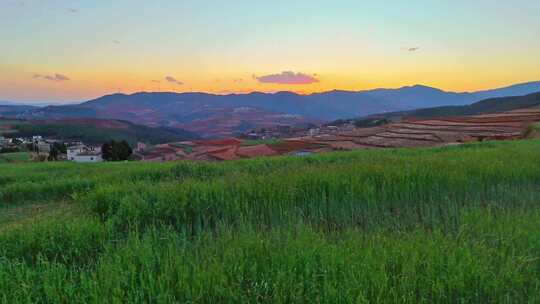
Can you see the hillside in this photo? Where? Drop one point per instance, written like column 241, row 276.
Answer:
column 431, row 132
column 453, row 224
column 224, row 115
column 493, row 105
column 93, row 131
column 419, row 96
column 15, row 110
column 487, row 106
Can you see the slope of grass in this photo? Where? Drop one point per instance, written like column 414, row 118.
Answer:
column 453, row 224
column 97, row 131
column 15, row 157
column 492, row 105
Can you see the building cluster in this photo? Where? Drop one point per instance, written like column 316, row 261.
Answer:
column 5, row 142
column 278, row 140
column 52, row 149
column 286, row 131
column 268, row 133
column 42, row 148
column 81, row 153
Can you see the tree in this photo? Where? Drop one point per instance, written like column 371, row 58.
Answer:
column 116, row 150
column 57, row 149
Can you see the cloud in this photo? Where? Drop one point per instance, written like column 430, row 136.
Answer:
column 156, row 81
column 60, row 77
column 411, row 49
column 72, row 10
column 55, row 77
column 238, row 80
column 287, row 77
column 116, row 41
column 173, row 80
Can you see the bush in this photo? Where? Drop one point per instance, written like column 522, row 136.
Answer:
column 116, row 151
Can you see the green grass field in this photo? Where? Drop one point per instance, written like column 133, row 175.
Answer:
column 15, row 157
column 456, row 224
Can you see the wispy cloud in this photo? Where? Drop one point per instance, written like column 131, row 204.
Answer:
column 411, row 49
column 72, row 10
column 287, row 77
column 156, row 81
column 54, row 77
column 238, row 80
column 173, row 80
column 116, row 41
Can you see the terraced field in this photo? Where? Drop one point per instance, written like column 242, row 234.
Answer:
column 409, row 133
column 435, row 132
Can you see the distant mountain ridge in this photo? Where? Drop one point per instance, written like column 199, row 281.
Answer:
column 491, row 105
column 513, row 90
column 13, row 109
column 193, row 110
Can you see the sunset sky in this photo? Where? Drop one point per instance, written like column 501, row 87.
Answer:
column 59, row 51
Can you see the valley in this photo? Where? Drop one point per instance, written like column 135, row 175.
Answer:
column 213, row 116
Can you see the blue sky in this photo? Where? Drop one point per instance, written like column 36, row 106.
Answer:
column 227, row 46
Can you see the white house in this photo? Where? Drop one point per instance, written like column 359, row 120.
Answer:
column 43, row 147
column 72, row 151
column 140, row 147
column 84, row 154
column 37, row 138
column 88, row 157
column 4, row 141
column 314, row 131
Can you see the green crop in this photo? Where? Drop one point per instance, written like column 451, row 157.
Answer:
column 441, row 225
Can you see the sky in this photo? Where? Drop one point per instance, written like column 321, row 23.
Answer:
column 62, row 51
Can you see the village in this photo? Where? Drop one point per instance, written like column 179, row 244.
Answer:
column 278, row 140
column 268, row 141
column 407, row 133
column 41, row 149
column 287, row 140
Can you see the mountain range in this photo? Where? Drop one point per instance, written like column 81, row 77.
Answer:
column 222, row 115
column 491, row 105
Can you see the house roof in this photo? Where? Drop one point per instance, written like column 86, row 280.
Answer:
column 76, row 147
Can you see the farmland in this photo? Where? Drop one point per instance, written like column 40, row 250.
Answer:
column 446, row 224
column 436, row 131
column 15, row 157
column 510, row 125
